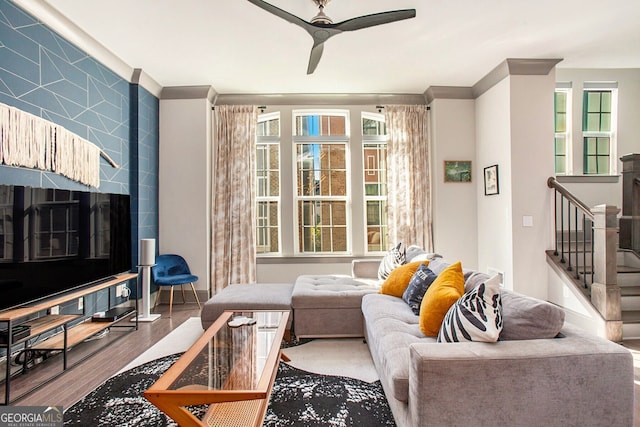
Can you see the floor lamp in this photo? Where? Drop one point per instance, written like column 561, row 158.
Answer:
column 147, row 260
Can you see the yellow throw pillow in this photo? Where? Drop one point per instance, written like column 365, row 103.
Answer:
column 441, row 295
column 399, row 279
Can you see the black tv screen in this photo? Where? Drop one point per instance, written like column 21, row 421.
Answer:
column 53, row 240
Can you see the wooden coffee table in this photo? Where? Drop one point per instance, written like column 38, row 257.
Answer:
column 230, row 367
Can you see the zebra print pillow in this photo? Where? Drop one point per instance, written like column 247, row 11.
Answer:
column 392, row 259
column 476, row 316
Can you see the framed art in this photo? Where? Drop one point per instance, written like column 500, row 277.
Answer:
column 457, row 171
column 491, row 181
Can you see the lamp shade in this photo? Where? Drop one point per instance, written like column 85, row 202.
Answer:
column 147, row 251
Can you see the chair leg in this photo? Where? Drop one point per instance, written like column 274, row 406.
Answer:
column 157, row 297
column 184, row 300
column 171, row 301
column 193, row 288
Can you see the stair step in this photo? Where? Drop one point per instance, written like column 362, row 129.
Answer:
column 631, row 316
column 627, row 269
column 630, row 331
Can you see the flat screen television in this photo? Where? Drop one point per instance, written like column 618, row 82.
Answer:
column 53, row 241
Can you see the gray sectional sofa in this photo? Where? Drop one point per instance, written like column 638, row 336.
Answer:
column 542, row 372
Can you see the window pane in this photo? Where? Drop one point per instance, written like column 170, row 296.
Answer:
column 323, row 226
column 561, row 102
column 376, row 225
column 321, row 125
column 603, row 164
column 605, row 102
column 321, row 169
column 593, row 102
column 561, row 122
column 560, row 164
column 560, row 146
column 267, row 170
column 373, row 127
column 593, row 122
column 590, row 146
column 603, row 146
column 267, row 227
column 268, row 127
column 605, row 122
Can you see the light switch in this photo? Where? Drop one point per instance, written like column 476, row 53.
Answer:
column 527, row 221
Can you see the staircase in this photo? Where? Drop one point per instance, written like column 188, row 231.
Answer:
column 589, row 257
column 629, row 282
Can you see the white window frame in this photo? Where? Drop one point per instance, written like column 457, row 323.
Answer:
column 267, row 141
column 299, row 139
column 567, row 135
column 612, row 134
column 370, row 139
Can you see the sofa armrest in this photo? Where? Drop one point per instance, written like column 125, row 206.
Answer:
column 365, row 268
column 575, row 380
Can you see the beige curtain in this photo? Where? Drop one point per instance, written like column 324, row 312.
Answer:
column 408, row 175
column 233, row 237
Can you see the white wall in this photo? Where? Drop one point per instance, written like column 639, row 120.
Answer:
column 455, row 228
column 514, row 124
column 185, row 171
column 493, row 147
column 532, row 154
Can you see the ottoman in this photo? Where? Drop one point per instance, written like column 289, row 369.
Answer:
column 255, row 296
column 329, row 306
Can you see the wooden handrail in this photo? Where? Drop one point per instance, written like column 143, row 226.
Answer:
column 552, row 183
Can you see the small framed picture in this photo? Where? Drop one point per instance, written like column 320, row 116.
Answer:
column 491, row 182
column 457, row 171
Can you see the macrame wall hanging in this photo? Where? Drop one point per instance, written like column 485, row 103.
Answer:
column 33, row 142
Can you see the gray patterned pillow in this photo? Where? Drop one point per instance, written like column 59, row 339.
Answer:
column 476, row 316
column 392, row 259
column 420, row 282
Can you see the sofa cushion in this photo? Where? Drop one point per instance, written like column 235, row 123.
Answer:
column 476, row 316
column 392, row 327
column 395, row 257
column 418, row 285
column 443, row 292
column 399, row 279
column 528, row 318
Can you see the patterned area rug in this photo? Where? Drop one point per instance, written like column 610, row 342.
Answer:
column 299, row 398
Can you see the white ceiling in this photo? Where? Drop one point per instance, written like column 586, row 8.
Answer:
column 239, row 48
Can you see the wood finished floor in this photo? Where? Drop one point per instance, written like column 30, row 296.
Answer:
column 87, row 375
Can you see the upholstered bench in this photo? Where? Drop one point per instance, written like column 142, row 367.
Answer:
column 258, row 296
column 328, row 306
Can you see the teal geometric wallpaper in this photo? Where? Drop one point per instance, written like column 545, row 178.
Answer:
column 45, row 75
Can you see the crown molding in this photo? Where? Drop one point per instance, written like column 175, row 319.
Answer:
column 448, row 92
column 189, row 92
column 141, row 78
column 514, row 67
column 320, row 99
column 508, row 67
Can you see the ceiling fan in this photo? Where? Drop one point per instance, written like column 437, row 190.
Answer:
column 321, row 27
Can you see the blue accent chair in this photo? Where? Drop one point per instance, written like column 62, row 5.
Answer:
column 172, row 270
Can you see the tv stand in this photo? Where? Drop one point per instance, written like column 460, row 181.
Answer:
column 75, row 329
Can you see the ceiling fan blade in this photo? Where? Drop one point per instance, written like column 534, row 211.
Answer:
column 316, row 54
column 281, row 13
column 374, row 19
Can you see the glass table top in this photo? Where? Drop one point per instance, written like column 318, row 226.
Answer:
column 235, row 356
